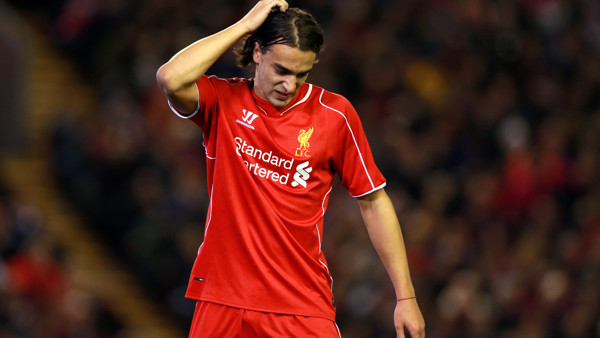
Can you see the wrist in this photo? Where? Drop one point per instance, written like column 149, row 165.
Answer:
column 241, row 27
column 405, row 290
column 405, row 298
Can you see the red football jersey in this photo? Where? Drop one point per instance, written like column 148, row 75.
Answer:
column 270, row 173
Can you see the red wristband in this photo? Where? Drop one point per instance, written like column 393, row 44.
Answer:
column 401, row 299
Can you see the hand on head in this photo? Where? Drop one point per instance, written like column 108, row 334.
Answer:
column 260, row 11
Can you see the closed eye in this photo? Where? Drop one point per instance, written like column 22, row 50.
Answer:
column 281, row 70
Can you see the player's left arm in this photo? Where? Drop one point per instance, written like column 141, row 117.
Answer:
column 384, row 229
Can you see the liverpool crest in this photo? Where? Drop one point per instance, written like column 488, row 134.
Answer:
column 303, row 137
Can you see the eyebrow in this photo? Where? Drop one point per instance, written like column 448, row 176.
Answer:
column 285, row 70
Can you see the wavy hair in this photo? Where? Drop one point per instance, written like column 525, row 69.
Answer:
column 294, row 27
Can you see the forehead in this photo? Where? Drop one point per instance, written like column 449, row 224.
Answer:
column 292, row 58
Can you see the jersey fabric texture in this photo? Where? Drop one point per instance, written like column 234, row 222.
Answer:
column 269, row 173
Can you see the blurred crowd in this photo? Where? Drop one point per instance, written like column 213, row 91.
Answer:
column 39, row 295
column 484, row 116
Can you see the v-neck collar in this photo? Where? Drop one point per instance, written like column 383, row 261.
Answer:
column 270, row 110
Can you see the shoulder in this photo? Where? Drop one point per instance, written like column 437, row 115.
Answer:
column 331, row 101
column 219, row 82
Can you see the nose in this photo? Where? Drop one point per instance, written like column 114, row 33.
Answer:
column 289, row 83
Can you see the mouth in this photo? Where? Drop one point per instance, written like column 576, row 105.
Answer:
column 282, row 96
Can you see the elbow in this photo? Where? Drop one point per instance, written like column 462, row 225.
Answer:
column 165, row 80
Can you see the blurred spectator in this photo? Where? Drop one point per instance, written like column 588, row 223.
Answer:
column 483, row 115
column 39, row 296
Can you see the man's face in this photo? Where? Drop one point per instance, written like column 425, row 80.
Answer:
column 280, row 72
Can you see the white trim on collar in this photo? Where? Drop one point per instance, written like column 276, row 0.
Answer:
column 303, row 99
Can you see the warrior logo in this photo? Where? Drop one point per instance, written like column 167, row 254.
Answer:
column 303, row 137
column 302, row 174
column 247, row 118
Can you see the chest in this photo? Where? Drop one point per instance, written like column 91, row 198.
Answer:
column 300, row 134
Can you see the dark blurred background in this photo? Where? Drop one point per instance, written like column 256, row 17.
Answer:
column 484, row 116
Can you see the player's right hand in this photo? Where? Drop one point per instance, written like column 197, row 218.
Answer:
column 258, row 14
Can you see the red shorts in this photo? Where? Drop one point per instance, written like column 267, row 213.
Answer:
column 214, row 320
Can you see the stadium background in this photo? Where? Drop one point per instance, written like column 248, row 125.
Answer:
column 483, row 115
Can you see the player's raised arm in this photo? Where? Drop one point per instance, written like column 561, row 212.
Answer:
column 177, row 77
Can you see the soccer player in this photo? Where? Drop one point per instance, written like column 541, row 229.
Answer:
column 273, row 145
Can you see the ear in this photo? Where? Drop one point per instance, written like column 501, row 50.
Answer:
column 256, row 53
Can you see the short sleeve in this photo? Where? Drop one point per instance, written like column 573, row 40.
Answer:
column 207, row 104
column 354, row 163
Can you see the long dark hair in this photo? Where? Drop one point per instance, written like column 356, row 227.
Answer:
column 294, row 27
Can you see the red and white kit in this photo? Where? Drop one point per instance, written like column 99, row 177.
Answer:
column 270, row 173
